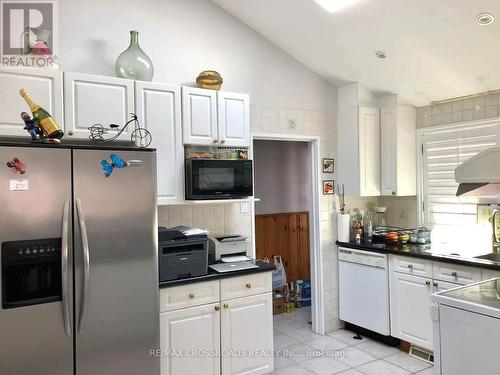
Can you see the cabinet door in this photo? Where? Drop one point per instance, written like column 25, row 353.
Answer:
column 234, row 119
column 388, row 154
column 158, row 109
column 199, row 116
column 411, row 309
column 45, row 86
column 90, row 100
column 247, row 327
column 369, row 151
column 190, row 339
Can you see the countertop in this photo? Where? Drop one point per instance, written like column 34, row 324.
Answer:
column 213, row 275
column 428, row 251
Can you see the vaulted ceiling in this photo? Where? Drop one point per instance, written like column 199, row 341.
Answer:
column 435, row 48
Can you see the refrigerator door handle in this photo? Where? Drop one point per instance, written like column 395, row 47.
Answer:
column 64, row 268
column 86, row 265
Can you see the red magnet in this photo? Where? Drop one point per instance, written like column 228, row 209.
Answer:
column 17, row 166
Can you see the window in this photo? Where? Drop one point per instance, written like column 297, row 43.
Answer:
column 452, row 218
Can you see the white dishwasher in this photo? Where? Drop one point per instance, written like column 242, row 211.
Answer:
column 364, row 289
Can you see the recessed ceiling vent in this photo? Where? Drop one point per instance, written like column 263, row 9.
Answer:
column 485, row 19
column 381, row 54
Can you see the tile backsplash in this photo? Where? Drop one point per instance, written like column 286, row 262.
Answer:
column 226, row 218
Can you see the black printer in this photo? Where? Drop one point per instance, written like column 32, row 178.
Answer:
column 182, row 253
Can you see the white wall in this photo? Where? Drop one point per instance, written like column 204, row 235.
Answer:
column 282, row 176
column 183, row 38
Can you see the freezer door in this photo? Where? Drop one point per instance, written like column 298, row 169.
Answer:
column 36, row 311
column 116, row 268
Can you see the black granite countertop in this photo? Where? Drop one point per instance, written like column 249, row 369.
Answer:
column 213, row 275
column 72, row 144
column 429, row 251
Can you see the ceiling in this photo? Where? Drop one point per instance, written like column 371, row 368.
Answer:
column 435, row 48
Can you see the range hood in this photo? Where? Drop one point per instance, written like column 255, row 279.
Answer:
column 480, row 175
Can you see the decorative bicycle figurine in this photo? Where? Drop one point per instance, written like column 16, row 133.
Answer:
column 140, row 137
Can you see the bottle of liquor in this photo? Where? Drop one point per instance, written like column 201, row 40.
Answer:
column 42, row 117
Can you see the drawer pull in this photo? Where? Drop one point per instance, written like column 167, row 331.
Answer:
column 435, row 284
column 428, row 283
column 454, row 274
column 216, row 140
column 217, row 308
column 226, row 306
column 410, row 266
column 191, row 295
column 248, row 285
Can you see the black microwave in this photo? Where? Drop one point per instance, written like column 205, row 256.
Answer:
column 218, row 179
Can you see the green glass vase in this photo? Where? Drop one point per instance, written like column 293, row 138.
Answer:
column 133, row 63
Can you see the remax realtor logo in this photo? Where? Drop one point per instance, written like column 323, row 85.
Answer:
column 29, row 33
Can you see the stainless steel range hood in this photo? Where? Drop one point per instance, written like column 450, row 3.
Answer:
column 480, row 175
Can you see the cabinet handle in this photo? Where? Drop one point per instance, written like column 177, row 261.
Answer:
column 226, row 306
column 393, row 193
column 249, row 285
column 454, row 274
column 428, row 283
column 191, row 295
column 435, row 284
column 216, row 140
column 70, row 132
column 410, row 266
column 217, row 308
column 223, row 141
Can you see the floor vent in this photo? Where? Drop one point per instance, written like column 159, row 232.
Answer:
column 422, row 354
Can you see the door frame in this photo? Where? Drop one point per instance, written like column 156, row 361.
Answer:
column 316, row 257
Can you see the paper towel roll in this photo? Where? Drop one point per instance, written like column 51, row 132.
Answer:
column 343, row 227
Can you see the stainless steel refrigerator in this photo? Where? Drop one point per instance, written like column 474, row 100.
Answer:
column 79, row 260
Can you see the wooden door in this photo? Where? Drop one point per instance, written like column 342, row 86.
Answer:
column 287, row 235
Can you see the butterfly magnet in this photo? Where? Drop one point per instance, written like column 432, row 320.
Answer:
column 109, row 165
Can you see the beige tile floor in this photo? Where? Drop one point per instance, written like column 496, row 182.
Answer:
column 299, row 351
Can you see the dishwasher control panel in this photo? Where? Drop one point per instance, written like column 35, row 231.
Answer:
column 363, row 257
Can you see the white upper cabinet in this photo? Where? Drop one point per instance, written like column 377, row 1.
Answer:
column 45, row 87
column 358, row 150
column 215, row 118
column 398, row 154
column 90, row 100
column 234, row 119
column 199, row 115
column 158, row 109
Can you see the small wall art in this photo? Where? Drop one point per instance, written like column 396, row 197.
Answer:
column 328, row 165
column 328, row 187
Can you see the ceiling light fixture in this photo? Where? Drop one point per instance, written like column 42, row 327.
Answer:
column 333, row 6
column 381, row 54
column 485, row 19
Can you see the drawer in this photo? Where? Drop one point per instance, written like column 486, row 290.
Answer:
column 189, row 295
column 412, row 266
column 490, row 274
column 248, row 285
column 456, row 274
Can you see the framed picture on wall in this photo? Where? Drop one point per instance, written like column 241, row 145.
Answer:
column 328, row 165
column 328, row 187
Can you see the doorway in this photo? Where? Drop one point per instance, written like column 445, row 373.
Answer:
column 287, row 222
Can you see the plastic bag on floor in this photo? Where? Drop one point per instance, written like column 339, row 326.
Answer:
column 279, row 274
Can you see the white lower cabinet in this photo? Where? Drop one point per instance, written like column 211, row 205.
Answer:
column 410, row 309
column 190, row 339
column 247, row 335
column 228, row 337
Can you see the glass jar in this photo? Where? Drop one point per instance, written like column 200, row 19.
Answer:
column 133, row 63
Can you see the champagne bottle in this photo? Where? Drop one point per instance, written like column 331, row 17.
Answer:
column 43, row 119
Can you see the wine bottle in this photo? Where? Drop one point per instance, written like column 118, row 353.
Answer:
column 43, row 119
